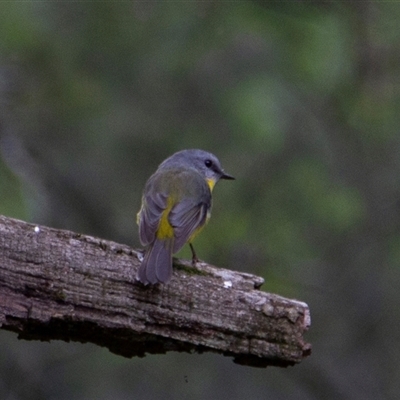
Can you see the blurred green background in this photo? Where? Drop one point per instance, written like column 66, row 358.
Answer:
column 300, row 102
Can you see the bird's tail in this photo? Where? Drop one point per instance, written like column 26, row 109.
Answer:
column 156, row 266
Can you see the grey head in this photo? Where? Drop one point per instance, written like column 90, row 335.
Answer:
column 202, row 161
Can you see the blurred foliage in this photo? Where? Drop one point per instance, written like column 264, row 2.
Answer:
column 299, row 100
column 10, row 193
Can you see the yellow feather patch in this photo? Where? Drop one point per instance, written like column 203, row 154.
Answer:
column 165, row 229
column 211, row 183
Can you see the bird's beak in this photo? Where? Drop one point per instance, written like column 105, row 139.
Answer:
column 226, row 176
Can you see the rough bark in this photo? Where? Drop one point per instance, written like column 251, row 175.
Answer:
column 57, row 284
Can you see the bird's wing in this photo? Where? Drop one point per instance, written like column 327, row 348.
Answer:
column 149, row 216
column 186, row 217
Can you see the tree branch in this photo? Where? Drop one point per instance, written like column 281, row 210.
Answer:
column 57, row 284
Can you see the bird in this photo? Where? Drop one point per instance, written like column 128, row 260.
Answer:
column 176, row 205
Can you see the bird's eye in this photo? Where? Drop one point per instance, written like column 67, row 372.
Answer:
column 208, row 163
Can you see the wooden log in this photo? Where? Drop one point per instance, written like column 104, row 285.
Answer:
column 57, row 284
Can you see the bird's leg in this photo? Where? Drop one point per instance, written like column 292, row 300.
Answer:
column 195, row 260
